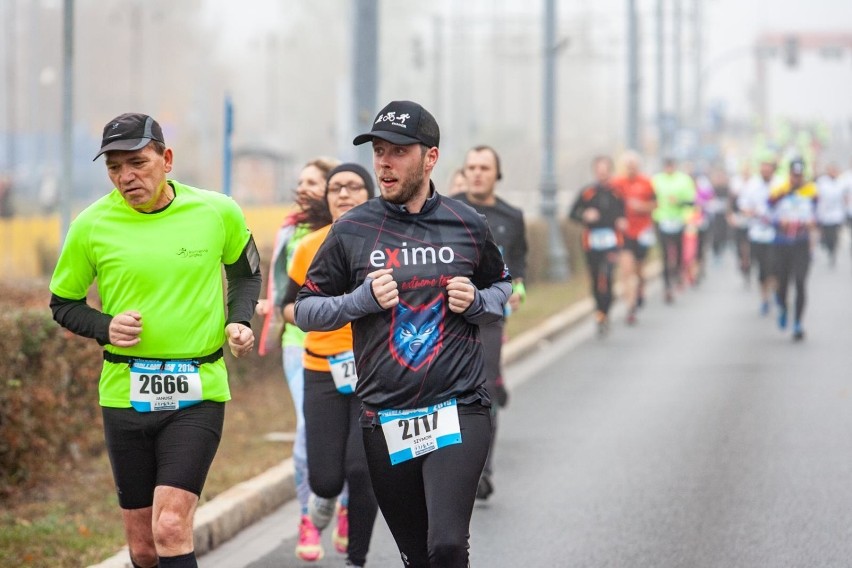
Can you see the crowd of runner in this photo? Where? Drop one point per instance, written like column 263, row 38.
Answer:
column 772, row 215
column 389, row 301
column 769, row 217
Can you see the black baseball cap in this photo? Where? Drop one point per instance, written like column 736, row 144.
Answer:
column 403, row 123
column 130, row 131
column 797, row 166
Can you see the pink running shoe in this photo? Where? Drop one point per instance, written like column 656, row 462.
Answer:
column 340, row 538
column 309, row 547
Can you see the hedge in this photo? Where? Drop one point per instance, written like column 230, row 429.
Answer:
column 48, row 394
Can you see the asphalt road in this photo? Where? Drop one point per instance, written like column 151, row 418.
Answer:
column 703, row 437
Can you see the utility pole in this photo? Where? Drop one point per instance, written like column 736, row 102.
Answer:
column 698, row 65
column 557, row 255
column 632, row 76
column 67, row 184
column 661, row 82
column 365, row 65
column 11, row 86
column 438, row 81
column 227, row 147
column 678, row 62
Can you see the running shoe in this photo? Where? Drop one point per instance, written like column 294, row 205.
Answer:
column 309, row 547
column 782, row 318
column 321, row 510
column 764, row 309
column 485, row 487
column 798, row 332
column 631, row 317
column 340, row 537
column 603, row 324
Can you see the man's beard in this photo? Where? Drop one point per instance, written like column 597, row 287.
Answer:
column 410, row 187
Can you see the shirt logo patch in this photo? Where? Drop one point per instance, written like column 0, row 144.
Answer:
column 417, row 333
column 191, row 253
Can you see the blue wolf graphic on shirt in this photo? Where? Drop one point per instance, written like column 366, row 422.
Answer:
column 417, row 332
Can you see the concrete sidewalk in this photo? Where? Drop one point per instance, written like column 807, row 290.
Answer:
column 237, row 508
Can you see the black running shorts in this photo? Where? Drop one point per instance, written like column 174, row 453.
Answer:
column 638, row 250
column 173, row 448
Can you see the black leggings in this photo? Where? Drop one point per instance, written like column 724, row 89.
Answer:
column 762, row 255
column 671, row 247
column 743, row 250
column 601, row 268
column 719, row 231
column 491, row 336
column 792, row 260
column 828, row 237
column 336, row 454
column 427, row 501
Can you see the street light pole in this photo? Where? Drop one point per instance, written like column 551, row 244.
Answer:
column 699, row 83
column 11, row 87
column 632, row 77
column 67, row 185
column 678, row 63
column 662, row 139
column 365, row 64
column 557, row 255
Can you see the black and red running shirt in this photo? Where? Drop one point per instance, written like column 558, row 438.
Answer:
column 418, row 353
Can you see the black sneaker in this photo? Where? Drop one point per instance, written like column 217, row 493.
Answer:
column 485, row 488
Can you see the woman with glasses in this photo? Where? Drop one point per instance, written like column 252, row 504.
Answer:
column 310, row 214
column 334, row 443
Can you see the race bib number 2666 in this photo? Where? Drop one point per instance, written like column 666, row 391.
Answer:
column 164, row 385
column 412, row 433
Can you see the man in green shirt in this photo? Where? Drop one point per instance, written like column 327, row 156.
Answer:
column 156, row 248
column 675, row 193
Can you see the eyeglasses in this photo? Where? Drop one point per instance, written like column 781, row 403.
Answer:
column 350, row 187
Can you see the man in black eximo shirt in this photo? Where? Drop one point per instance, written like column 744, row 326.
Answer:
column 416, row 274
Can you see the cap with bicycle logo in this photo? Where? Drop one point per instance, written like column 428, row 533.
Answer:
column 403, row 123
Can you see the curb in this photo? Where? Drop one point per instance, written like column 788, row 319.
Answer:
column 221, row 518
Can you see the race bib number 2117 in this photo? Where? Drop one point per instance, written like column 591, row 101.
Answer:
column 412, row 433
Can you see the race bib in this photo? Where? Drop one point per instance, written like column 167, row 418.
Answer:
column 164, row 385
column 412, row 433
column 647, row 238
column 761, row 233
column 795, row 210
column 343, row 371
column 602, row 239
column 671, row 226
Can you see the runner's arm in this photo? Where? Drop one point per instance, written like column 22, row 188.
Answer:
column 80, row 318
column 488, row 303
column 329, row 297
column 244, row 281
column 578, row 208
column 327, row 313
